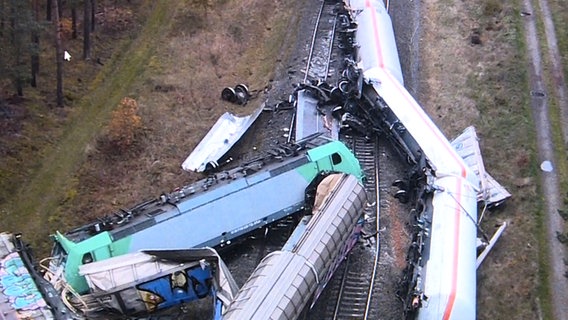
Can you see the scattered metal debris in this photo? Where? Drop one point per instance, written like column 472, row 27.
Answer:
column 467, row 146
column 490, row 245
column 221, row 137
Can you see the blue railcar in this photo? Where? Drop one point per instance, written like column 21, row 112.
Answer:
column 213, row 212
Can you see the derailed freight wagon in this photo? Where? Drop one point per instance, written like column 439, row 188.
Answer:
column 214, row 212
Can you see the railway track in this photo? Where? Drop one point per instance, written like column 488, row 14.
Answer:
column 355, row 291
column 350, row 293
column 321, row 49
column 364, row 285
column 321, row 62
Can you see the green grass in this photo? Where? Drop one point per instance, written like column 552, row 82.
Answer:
column 266, row 55
column 54, row 181
column 559, row 9
column 560, row 16
column 510, row 153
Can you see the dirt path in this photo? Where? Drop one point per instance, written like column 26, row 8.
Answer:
column 546, row 151
column 558, row 81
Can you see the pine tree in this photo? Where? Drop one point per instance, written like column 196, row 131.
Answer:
column 58, row 53
column 16, row 47
column 34, row 50
column 87, row 30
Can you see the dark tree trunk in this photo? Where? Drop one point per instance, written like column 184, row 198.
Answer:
column 93, row 11
column 35, row 58
column 19, row 88
column 13, row 25
column 58, row 53
column 87, row 30
column 35, row 41
column 74, row 21
column 17, row 46
column 48, row 10
column 60, row 6
column 2, row 18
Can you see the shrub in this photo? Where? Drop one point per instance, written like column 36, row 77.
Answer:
column 492, row 8
column 124, row 126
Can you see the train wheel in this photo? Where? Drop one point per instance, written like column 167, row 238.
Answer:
column 242, row 88
column 402, row 196
column 211, row 165
column 229, row 94
column 337, row 112
column 401, row 184
column 242, row 94
column 344, row 86
column 335, row 94
column 351, row 73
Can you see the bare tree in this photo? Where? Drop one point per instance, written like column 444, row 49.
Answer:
column 74, row 20
column 87, row 30
column 60, row 6
column 21, row 25
column 58, row 52
column 48, row 10
column 2, row 17
column 93, row 11
column 16, row 42
column 35, row 45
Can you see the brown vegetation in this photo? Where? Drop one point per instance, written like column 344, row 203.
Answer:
column 97, row 161
column 124, row 127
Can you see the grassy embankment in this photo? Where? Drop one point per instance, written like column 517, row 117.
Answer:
column 559, row 11
column 37, row 202
column 174, row 67
column 205, row 49
column 510, row 125
column 560, row 19
column 474, row 58
column 531, row 205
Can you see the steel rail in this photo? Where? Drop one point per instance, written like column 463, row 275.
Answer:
column 377, row 242
column 347, row 302
column 314, row 36
column 330, row 49
column 341, row 288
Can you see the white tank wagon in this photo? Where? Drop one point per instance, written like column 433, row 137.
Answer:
column 286, row 282
column 447, row 288
column 444, row 282
column 374, row 37
column 441, row 273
